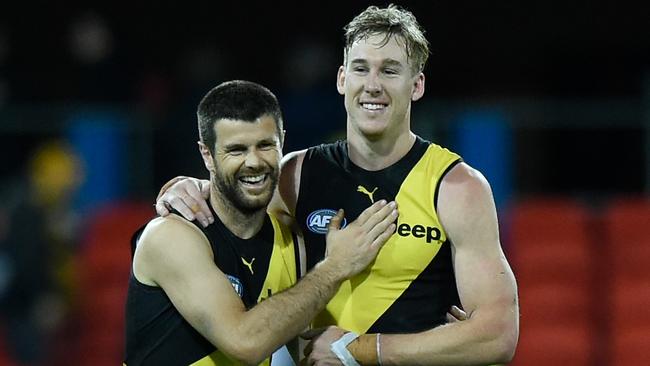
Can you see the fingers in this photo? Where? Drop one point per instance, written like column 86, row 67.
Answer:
column 205, row 188
column 383, row 237
column 381, row 226
column 178, row 204
column 381, row 218
column 161, row 208
column 168, row 185
column 456, row 314
column 187, row 196
column 308, row 349
column 312, row 333
column 198, row 203
column 335, row 222
column 369, row 212
column 377, row 223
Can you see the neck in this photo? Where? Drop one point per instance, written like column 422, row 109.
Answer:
column 379, row 153
column 242, row 225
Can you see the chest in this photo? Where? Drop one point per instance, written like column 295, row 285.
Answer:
column 244, row 262
column 418, row 229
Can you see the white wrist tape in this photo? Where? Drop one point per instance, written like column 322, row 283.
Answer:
column 340, row 349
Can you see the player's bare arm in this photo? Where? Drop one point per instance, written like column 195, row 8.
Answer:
column 485, row 282
column 489, row 329
column 176, row 256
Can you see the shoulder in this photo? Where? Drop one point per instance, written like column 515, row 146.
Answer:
column 465, row 198
column 439, row 149
column 283, row 203
column 293, row 160
column 465, row 182
column 161, row 229
column 168, row 241
column 328, row 151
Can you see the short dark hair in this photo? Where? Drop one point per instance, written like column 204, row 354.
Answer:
column 390, row 21
column 236, row 100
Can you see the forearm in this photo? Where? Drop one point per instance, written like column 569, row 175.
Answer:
column 281, row 317
column 483, row 339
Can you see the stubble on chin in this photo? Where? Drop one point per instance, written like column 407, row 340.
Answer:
column 233, row 196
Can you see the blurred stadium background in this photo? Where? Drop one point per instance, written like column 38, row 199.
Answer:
column 551, row 100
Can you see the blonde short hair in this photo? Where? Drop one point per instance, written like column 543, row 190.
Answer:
column 390, row 21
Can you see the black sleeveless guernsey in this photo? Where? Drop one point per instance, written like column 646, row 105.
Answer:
column 411, row 285
column 157, row 334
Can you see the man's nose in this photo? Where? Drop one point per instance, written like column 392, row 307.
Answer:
column 373, row 84
column 253, row 159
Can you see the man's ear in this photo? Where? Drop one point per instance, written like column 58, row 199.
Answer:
column 208, row 161
column 418, row 87
column 340, row 80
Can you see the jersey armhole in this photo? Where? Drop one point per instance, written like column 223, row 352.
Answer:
column 442, row 176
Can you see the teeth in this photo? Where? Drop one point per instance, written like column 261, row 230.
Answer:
column 253, row 179
column 372, row 106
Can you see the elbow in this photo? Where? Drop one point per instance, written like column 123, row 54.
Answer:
column 245, row 353
column 245, row 345
column 504, row 351
column 505, row 344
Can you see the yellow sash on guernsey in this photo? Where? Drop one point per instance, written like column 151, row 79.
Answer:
column 283, row 262
column 361, row 300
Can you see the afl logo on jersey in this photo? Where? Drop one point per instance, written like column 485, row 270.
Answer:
column 318, row 220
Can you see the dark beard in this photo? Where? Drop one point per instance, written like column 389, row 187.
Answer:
column 232, row 194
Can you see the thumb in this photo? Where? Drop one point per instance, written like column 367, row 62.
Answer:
column 335, row 223
column 161, row 208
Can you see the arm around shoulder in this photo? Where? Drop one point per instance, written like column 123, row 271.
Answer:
column 175, row 255
column 188, row 196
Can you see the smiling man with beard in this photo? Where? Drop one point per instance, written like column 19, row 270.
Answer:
column 195, row 295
